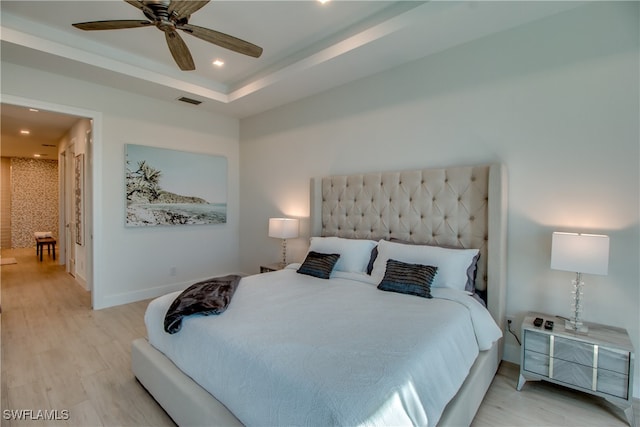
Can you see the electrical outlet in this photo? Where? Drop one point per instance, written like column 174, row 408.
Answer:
column 510, row 322
column 511, row 331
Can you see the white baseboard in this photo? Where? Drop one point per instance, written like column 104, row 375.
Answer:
column 148, row 293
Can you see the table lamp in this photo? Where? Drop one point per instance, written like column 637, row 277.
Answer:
column 580, row 253
column 283, row 228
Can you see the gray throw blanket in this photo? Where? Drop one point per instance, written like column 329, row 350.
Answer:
column 211, row 296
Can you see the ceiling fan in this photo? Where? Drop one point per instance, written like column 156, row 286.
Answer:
column 170, row 16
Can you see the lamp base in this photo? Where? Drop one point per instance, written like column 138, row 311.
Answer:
column 284, row 253
column 571, row 326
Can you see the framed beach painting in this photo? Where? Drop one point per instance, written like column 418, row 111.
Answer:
column 171, row 187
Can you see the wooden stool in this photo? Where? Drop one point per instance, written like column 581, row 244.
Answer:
column 48, row 242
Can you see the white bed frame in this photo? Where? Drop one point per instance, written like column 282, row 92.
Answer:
column 358, row 208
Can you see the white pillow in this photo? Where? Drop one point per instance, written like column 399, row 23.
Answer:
column 354, row 253
column 452, row 263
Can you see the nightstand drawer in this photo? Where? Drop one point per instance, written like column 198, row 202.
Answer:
column 573, row 351
column 617, row 361
column 613, row 383
column 537, row 342
column 536, row 363
column 573, row 373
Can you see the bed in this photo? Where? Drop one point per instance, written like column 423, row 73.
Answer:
column 334, row 372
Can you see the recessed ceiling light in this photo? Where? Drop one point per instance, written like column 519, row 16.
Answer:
column 24, row 132
column 37, row 155
column 324, row 1
column 33, row 110
column 218, row 62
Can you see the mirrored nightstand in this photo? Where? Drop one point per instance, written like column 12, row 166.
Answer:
column 599, row 362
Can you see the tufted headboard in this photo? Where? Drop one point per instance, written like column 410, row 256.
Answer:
column 461, row 207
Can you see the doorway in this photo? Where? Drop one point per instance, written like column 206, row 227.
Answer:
column 75, row 184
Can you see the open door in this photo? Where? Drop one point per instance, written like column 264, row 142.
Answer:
column 68, row 213
column 88, row 206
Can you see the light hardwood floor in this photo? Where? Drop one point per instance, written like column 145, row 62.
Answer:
column 58, row 354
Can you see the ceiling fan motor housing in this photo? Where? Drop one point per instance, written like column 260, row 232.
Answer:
column 160, row 16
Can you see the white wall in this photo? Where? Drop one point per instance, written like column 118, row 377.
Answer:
column 135, row 263
column 556, row 101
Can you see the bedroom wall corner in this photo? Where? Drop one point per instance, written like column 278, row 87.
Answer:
column 137, row 263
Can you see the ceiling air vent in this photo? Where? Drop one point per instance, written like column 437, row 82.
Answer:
column 189, row 100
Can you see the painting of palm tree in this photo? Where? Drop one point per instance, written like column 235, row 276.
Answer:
column 171, row 187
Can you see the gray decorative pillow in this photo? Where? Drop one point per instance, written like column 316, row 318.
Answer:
column 372, row 259
column 319, row 265
column 412, row 279
column 472, row 270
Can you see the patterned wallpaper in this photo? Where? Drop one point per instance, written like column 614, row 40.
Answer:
column 5, row 202
column 34, row 199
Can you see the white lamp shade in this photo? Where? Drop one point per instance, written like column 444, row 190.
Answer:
column 580, row 253
column 283, row 228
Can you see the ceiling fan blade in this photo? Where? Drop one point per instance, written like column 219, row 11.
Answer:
column 223, row 40
column 140, row 5
column 112, row 25
column 179, row 51
column 184, row 8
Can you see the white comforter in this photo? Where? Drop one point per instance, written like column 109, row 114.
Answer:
column 296, row 350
